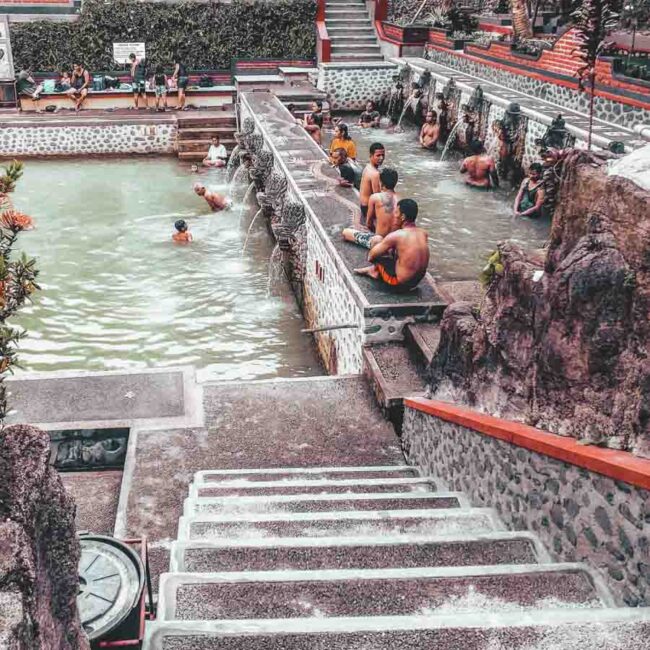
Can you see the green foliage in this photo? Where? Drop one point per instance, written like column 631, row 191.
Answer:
column 492, row 270
column 206, row 35
column 17, row 277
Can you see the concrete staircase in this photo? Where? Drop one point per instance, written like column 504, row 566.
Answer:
column 196, row 129
column 351, row 31
column 362, row 558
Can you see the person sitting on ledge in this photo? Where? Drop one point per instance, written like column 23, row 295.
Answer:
column 80, row 81
column 182, row 234
column 350, row 173
column 313, row 122
column 530, row 197
column 217, row 154
column 370, row 117
column 382, row 214
column 27, row 87
column 370, row 178
column 400, row 259
column 342, row 140
column 480, row 168
column 430, row 131
column 64, row 83
column 215, row 200
column 138, row 79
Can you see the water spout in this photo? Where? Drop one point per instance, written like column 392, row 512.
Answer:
column 248, row 232
column 235, row 178
column 276, row 269
column 450, row 140
column 250, row 189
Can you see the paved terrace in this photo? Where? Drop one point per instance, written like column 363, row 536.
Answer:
column 332, row 208
column 577, row 123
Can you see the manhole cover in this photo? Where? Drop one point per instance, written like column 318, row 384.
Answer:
column 110, row 584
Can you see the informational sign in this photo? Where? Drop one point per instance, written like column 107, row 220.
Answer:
column 121, row 51
column 6, row 62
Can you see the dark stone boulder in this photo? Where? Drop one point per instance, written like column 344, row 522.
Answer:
column 39, row 551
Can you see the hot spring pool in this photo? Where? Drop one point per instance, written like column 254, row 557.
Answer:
column 118, row 294
column 464, row 224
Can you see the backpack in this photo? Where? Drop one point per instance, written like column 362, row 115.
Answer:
column 205, row 81
column 98, row 83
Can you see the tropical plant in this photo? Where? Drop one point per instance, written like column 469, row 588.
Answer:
column 593, row 20
column 492, row 270
column 17, row 277
column 207, row 35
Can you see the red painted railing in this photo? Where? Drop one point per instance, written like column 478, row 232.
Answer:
column 323, row 42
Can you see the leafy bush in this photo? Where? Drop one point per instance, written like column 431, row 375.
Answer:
column 206, row 35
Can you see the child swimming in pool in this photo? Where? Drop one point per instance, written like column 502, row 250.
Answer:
column 182, row 234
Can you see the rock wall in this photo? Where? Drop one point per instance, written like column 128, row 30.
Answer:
column 605, row 109
column 39, row 551
column 87, row 139
column 562, row 340
column 579, row 515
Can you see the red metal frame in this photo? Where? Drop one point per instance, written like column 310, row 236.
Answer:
column 323, row 41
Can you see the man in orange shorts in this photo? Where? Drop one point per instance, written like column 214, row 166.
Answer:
column 400, row 259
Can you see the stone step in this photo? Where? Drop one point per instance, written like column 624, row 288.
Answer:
column 305, row 473
column 342, row 38
column 346, row 12
column 227, row 119
column 204, row 144
column 317, row 486
column 357, row 58
column 376, row 592
column 546, row 629
column 422, row 342
column 350, row 553
column 368, row 523
column 347, row 22
column 236, row 505
column 291, row 74
column 365, row 50
column 206, row 133
column 346, row 3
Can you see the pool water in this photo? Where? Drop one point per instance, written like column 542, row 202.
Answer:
column 118, row 294
column 464, row 224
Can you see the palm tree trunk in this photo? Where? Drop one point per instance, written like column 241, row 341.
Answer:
column 520, row 21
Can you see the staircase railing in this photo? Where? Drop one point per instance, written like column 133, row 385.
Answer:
column 323, row 41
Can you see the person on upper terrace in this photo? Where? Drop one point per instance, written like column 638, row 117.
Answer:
column 530, row 198
column 80, row 82
column 370, row 183
column 382, row 213
column 181, row 80
column 350, row 172
column 400, row 260
column 160, row 87
column 217, row 154
column 430, row 131
column 370, row 118
column 480, row 168
column 182, row 234
column 27, row 87
column 215, row 200
column 313, row 122
column 138, row 79
column 342, row 140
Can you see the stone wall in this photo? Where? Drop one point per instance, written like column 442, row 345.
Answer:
column 605, row 109
column 350, row 85
column 69, row 140
column 578, row 514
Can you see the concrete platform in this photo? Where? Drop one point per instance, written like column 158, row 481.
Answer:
column 349, row 553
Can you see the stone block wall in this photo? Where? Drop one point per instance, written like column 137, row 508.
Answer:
column 605, row 109
column 70, row 140
column 580, row 515
column 350, row 85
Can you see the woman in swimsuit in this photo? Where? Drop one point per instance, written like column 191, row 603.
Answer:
column 530, row 197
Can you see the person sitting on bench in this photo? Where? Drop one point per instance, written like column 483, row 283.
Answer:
column 27, row 87
column 80, row 81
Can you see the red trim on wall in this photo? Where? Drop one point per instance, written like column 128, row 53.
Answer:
column 384, row 37
column 323, row 43
column 619, row 465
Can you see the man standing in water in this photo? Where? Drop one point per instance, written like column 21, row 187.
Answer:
column 370, row 183
column 215, row 200
column 430, row 131
column 400, row 259
column 480, row 168
column 382, row 213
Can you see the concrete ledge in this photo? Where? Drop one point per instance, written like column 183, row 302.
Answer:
column 619, row 465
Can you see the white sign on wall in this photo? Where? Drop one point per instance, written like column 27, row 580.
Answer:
column 6, row 63
column 121, row 51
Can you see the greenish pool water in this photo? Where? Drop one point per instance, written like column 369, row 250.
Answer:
column 464, row 224
column 118, row 294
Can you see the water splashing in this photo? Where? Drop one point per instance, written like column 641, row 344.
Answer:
column 248, row 232
column 450, row 140
column 235, row 179
column 276, row 269
column 250, row 189
column 407, row 104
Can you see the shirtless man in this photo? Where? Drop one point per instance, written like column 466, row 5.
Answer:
column 480, row 168
column 382, row 213
column 370, row 118
column 410, row 252
column 430, row 131
column 215, row 200
column 370, row 178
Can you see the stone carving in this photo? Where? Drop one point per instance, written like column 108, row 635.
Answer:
column 271, row 200
column 291, row 218
column 39, row 551
column 261, row 169
column 511, row 133
column 396, row 97
column 447, row 107
column 474, row 120
column 556, row 136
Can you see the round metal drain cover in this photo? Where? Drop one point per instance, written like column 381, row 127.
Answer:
column 111, row 578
